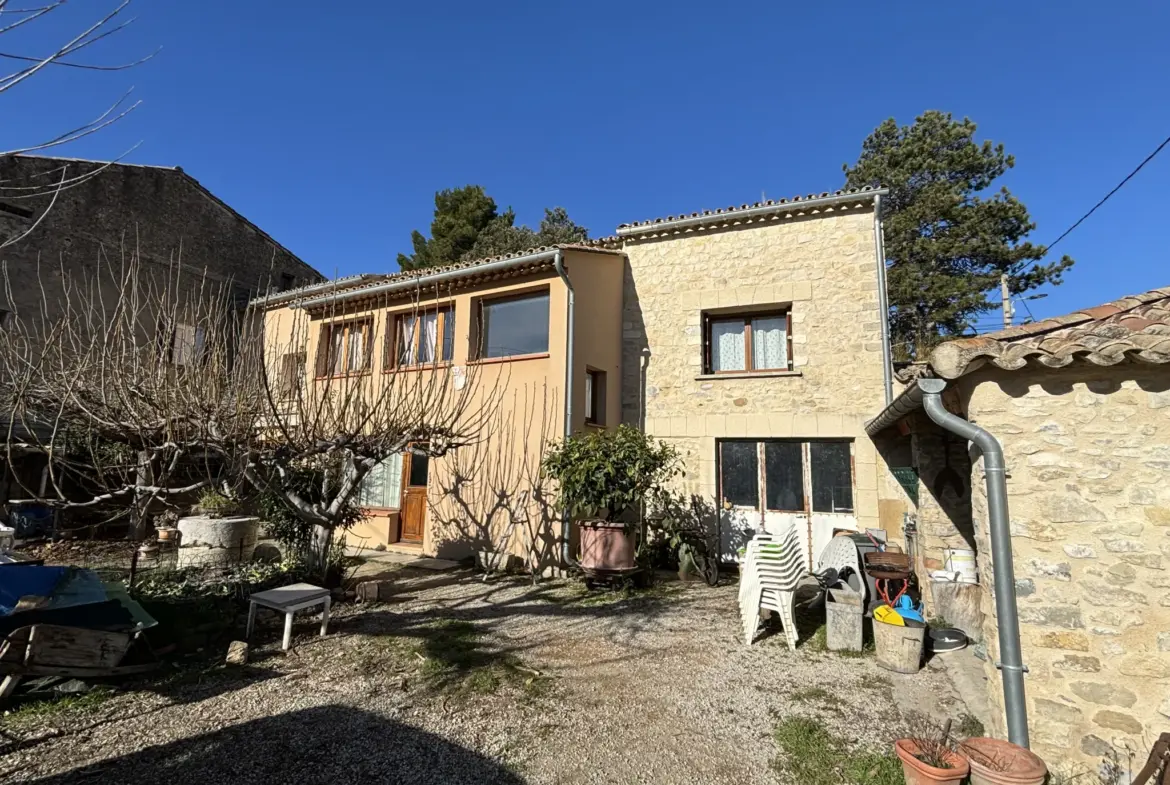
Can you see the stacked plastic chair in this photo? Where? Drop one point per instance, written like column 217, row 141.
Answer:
column 770, row 572
column 840, row 561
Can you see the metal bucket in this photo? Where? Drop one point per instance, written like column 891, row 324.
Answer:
column 898, row 649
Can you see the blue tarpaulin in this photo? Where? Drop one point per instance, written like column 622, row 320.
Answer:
column 20, row 580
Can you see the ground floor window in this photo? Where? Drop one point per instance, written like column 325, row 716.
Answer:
column 787, row 475
column 382, row 487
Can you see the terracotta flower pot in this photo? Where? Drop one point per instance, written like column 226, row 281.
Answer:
column 606, row 546
column 918, row 773
column 999, row 762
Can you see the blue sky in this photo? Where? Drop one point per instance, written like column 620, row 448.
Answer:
column 333, row 130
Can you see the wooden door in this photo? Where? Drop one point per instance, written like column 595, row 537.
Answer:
column 414, row 497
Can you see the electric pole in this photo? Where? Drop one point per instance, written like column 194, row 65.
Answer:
column 1006, row 295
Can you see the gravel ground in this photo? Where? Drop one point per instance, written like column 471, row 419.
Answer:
column 558, row 688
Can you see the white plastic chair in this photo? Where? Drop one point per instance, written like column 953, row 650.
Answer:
column 770, row 573
column 841, row 556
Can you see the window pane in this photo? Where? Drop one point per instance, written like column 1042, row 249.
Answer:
column 429, row 337
column 406, row 328
column 382, row 487
column 393, row 486
column 418, row 470
column 337, row 350
column 832, row 478
column 357, row 348
column 589, row 413
column 448, row 335
column 739, row 473
column 727, row 351
column 517, row 326
column 783, row 476
column 769, row 342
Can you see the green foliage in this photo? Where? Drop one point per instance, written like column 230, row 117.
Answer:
column 280, row 519
column 602, row 474
column 946, row 244
column 214, row 504
column 468, row 226
column 57, row 707
column 195, row 583
column 811, row 755
column 685, row 526
column 970, row 727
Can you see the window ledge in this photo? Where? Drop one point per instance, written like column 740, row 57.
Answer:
column 706, row 377
column 511, row 358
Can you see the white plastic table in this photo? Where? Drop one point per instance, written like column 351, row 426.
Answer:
column 288, row 600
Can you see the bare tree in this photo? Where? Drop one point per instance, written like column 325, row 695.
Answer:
column 17, row 21
column 137, row 387
column 344, row 393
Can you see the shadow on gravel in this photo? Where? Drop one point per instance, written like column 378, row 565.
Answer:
column 326, row 745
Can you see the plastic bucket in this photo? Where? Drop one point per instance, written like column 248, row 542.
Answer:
column 898, row 649
column 960, row 563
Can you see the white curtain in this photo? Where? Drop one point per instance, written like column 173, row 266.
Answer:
column 357, row 349
column 337, row 360
column 770, row 343
column 727, row 352
column 426, row 344
column 406, row 354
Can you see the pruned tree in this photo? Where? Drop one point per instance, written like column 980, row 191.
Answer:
column 138, row 388
column 342, row 396
column 16, row 22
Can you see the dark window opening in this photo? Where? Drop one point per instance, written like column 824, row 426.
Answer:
column 784, row 476
column 595, row 397
column 419, row 468
column 514, row 326
column 287, row 282
column 832, row 477
column 739, row 473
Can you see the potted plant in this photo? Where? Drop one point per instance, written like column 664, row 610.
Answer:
column 929, row 759
column 684, row 527
column 999, row 762
column 602, row 478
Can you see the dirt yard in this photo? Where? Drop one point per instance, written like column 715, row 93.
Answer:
column 461, row 681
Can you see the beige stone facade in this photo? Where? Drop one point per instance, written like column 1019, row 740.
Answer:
column 1088, row 457
column 823, row 268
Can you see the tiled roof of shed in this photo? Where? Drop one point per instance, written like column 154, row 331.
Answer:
column 731, row 212
column 1133, row 329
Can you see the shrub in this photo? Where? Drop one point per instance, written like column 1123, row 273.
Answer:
column 284, row 525
column 602, row 474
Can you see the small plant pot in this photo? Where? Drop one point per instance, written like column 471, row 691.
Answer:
column 606, row 547
column 918, row 773
column 999, row 762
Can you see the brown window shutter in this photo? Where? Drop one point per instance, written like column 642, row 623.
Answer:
column 707, row 344
column 323, row 351
column 788, row 318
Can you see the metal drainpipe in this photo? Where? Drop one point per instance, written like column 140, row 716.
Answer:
column 879, row 245
column 1011, row 662
column 559, row 265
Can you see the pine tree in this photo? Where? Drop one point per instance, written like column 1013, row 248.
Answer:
column 467, row 226
column 946, row 243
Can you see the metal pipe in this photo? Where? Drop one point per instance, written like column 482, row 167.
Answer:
column 570, row 332
column 681, row 222
column 879, row 244
column 910, row 400
column 433, row 278
column 1011, row 662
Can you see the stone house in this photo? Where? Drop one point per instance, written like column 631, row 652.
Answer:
column 106, row 212
column 1081, row 405
column 751, row 338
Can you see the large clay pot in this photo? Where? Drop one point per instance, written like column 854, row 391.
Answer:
column 216, row 542
column 918, row 773
column 606, row 546
column 999, row 762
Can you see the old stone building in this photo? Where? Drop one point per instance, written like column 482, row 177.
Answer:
column 104, row 214
column 1081, row 405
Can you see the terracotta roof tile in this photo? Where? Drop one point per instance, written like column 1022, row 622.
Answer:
column 1133, row 329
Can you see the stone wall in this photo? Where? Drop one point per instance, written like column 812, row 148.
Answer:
column 1088, row 457
column 824, row 268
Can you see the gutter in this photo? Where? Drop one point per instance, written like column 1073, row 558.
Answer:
column 295, row 294
column 629, row 230
column 434, row 278
column 927, row 393
column 879, row 243
column 570, row 331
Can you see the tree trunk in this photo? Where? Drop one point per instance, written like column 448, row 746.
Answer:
column 319, row 545
column 140, row 520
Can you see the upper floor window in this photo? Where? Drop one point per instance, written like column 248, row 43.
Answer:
column 344, row 348
column 748, row 342
column 287, row 281
column 292, row 374
column 511, row 326
column 187, row 344
column 422, row 337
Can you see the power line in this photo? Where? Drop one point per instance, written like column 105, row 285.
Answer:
column 1027, row 307
column 1105, row 199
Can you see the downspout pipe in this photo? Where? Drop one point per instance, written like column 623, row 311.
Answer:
column 1011, row 662
column 879, row 244
column 570, row 331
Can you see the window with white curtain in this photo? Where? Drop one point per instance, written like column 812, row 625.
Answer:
column 748, row 342
column 424, row 337
column 345, row 348
column 382, row 487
